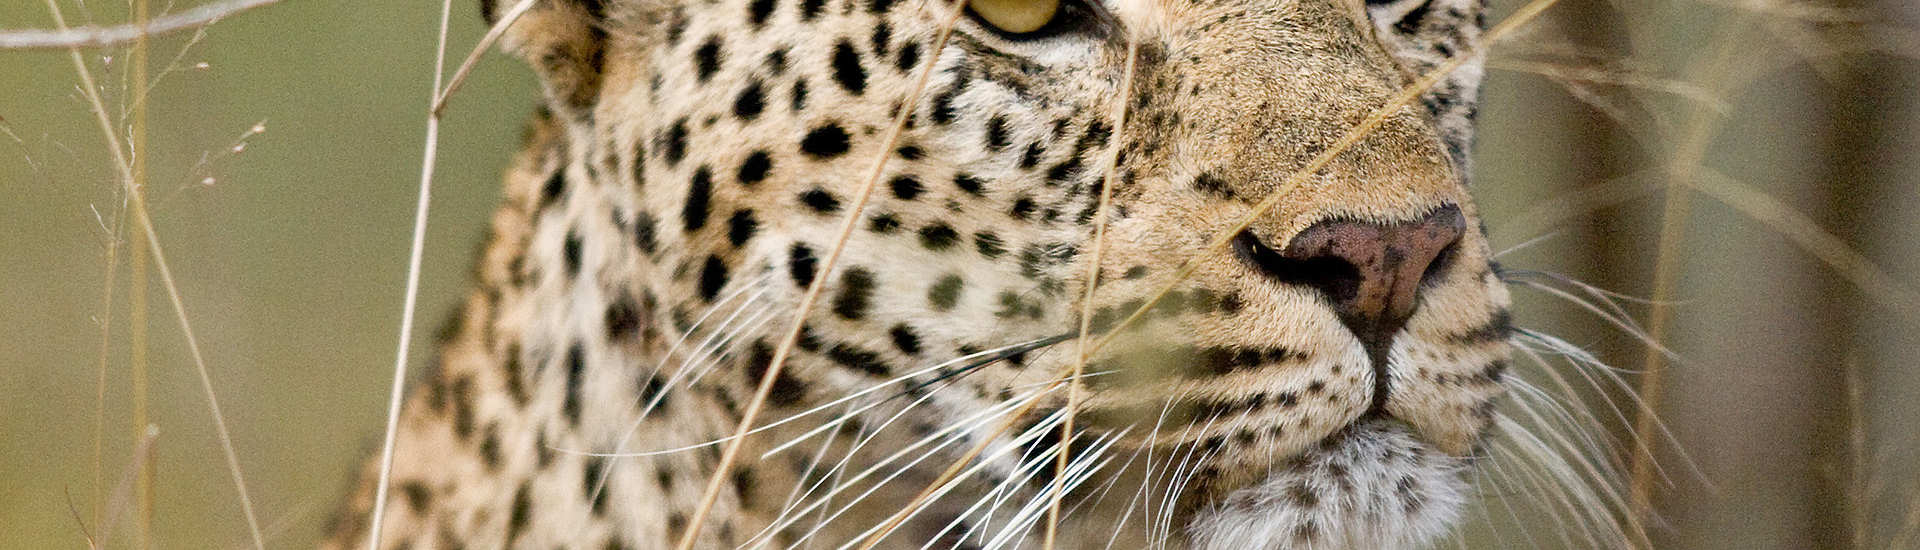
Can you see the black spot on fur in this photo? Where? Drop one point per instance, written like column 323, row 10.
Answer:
column 905, row 339
column 741, row 227
column 693, row 213
column 856, row 294
column 521, row 513
column 759, row 10
column 826, row 142
column 819, row 200
column 945, row 293
column 622, row 318
column 1211, row 184
column 810, row 9
column 879, row 6
column 859, row 359
column 938, row 236
column 570, row 252
column 989, row 244
column 462, row 397
column 884, row 223
column 1022, row 208
column 750, row 102
column 511, row 371
column 653, row 389
column 882, row 38
column 969, row 184
column 755, row 168
column 942, row 110
column 593, row 473
column 643, row 236
column 799, row 95
column 906, row 187
column 847, row 70
column 777, row 61
column 418, row 496
column 673, row 144
column 707, row 58
column 576, row 369
column 997, row 132
column 554, row 187
column 1495, row 329
column 713, row 277
column 908, row 57
column 787, row 390
column 801, row 264
column 1032, row 157
column 1064, row 171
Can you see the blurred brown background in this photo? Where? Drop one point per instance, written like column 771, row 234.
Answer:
column 1751, row 167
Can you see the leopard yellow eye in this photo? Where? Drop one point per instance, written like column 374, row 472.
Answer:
column 1016, row 16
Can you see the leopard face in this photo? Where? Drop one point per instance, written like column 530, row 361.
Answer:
column 1278, row 352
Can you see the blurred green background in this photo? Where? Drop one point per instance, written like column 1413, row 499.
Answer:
column 1795, row 399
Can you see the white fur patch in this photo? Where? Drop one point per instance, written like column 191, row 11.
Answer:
column 1374, row 487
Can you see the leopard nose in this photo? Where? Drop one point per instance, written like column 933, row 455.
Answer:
column 1370, row 272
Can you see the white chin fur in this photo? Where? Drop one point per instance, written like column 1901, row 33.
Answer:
column 1373, row 487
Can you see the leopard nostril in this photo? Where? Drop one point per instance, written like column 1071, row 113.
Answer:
column 1371, row 272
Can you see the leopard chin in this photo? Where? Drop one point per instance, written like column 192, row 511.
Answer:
column 1372, row 486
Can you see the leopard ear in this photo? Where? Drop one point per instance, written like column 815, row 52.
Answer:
column 563, row 40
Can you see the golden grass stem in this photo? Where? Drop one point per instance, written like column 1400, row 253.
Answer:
column 396, row 393
column 143, row 226
column 137, row 196
column 473, row 58
column 141, row 29
column 1120, row 103
column 1696, row 136
column 780, row 354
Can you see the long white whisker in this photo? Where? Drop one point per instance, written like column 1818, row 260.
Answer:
column 969, row 424
column 1052, row 421
column 653, row 402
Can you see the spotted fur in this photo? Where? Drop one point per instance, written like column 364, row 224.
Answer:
column 683, row 186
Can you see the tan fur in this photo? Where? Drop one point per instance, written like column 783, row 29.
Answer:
column 644, row 250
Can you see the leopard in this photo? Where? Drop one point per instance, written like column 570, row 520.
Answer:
column 968, row 274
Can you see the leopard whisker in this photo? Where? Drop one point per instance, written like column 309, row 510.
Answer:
column 837, row 473
column 1030, row 466
column 813, row 463
column 968, row 424
column 1049, row 422
column 723, row 301
column 1623, row 323
column 702, row 362
column 1584, row 361
column 1100, row 496
column 1530, row 482
column 1584, row 427
column 690, row 371
column 1174, row 490
column 1139, row 495
column 1595, row 494
column 1078, row 471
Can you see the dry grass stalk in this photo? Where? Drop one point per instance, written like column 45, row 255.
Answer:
column 98, row 37
column 396, row 393
column 1112, row 157
column 143, row 227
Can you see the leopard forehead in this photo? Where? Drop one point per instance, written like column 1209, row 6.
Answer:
column 708, row 153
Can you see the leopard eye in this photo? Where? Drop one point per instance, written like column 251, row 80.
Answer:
column 1016, row 16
